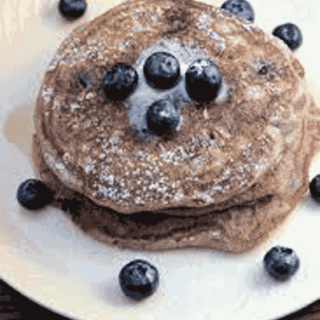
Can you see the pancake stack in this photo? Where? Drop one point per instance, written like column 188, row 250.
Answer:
column 230, row 173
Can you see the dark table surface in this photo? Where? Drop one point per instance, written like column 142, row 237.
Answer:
column 13, row 305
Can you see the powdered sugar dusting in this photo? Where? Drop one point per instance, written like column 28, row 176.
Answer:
column 144, row 96
column 203, row 24
column 47, row 94
column 59, row 168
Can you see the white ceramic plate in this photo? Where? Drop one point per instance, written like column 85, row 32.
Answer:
column 45, row 257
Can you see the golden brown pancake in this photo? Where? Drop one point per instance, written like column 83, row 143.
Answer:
column 231, row 172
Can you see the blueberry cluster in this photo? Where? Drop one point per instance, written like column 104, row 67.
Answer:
column 162, row 72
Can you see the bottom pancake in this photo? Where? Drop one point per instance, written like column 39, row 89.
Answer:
column 237, row 229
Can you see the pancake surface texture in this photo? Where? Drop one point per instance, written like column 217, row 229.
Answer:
column 230, row 173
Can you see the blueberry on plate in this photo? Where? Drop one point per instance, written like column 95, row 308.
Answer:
column 314, row 187
column 138, row 279
column 162, row 70
column 281, row 262
column 203, row 80
column 120, row 81
column 34, row 194
column 239, row 8
column 72, row 9
column 162, row 117
column 290, row 34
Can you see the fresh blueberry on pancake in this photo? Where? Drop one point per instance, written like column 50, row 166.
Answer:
column 162, row 70
column 119, row 82
column 203, row 80
column 162, row 117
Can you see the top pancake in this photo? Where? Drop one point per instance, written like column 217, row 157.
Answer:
column 223, row 152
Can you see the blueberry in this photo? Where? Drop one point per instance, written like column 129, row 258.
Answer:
column 162, row 70
column 314, row 187
column 239, row 8
column 290, row 34
column 34, row 194
column 203, row 80
column 72, row 8
column 73, row 205
column 281, row 262
column 120, row 81
column 138, row 279
column 162, row 117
